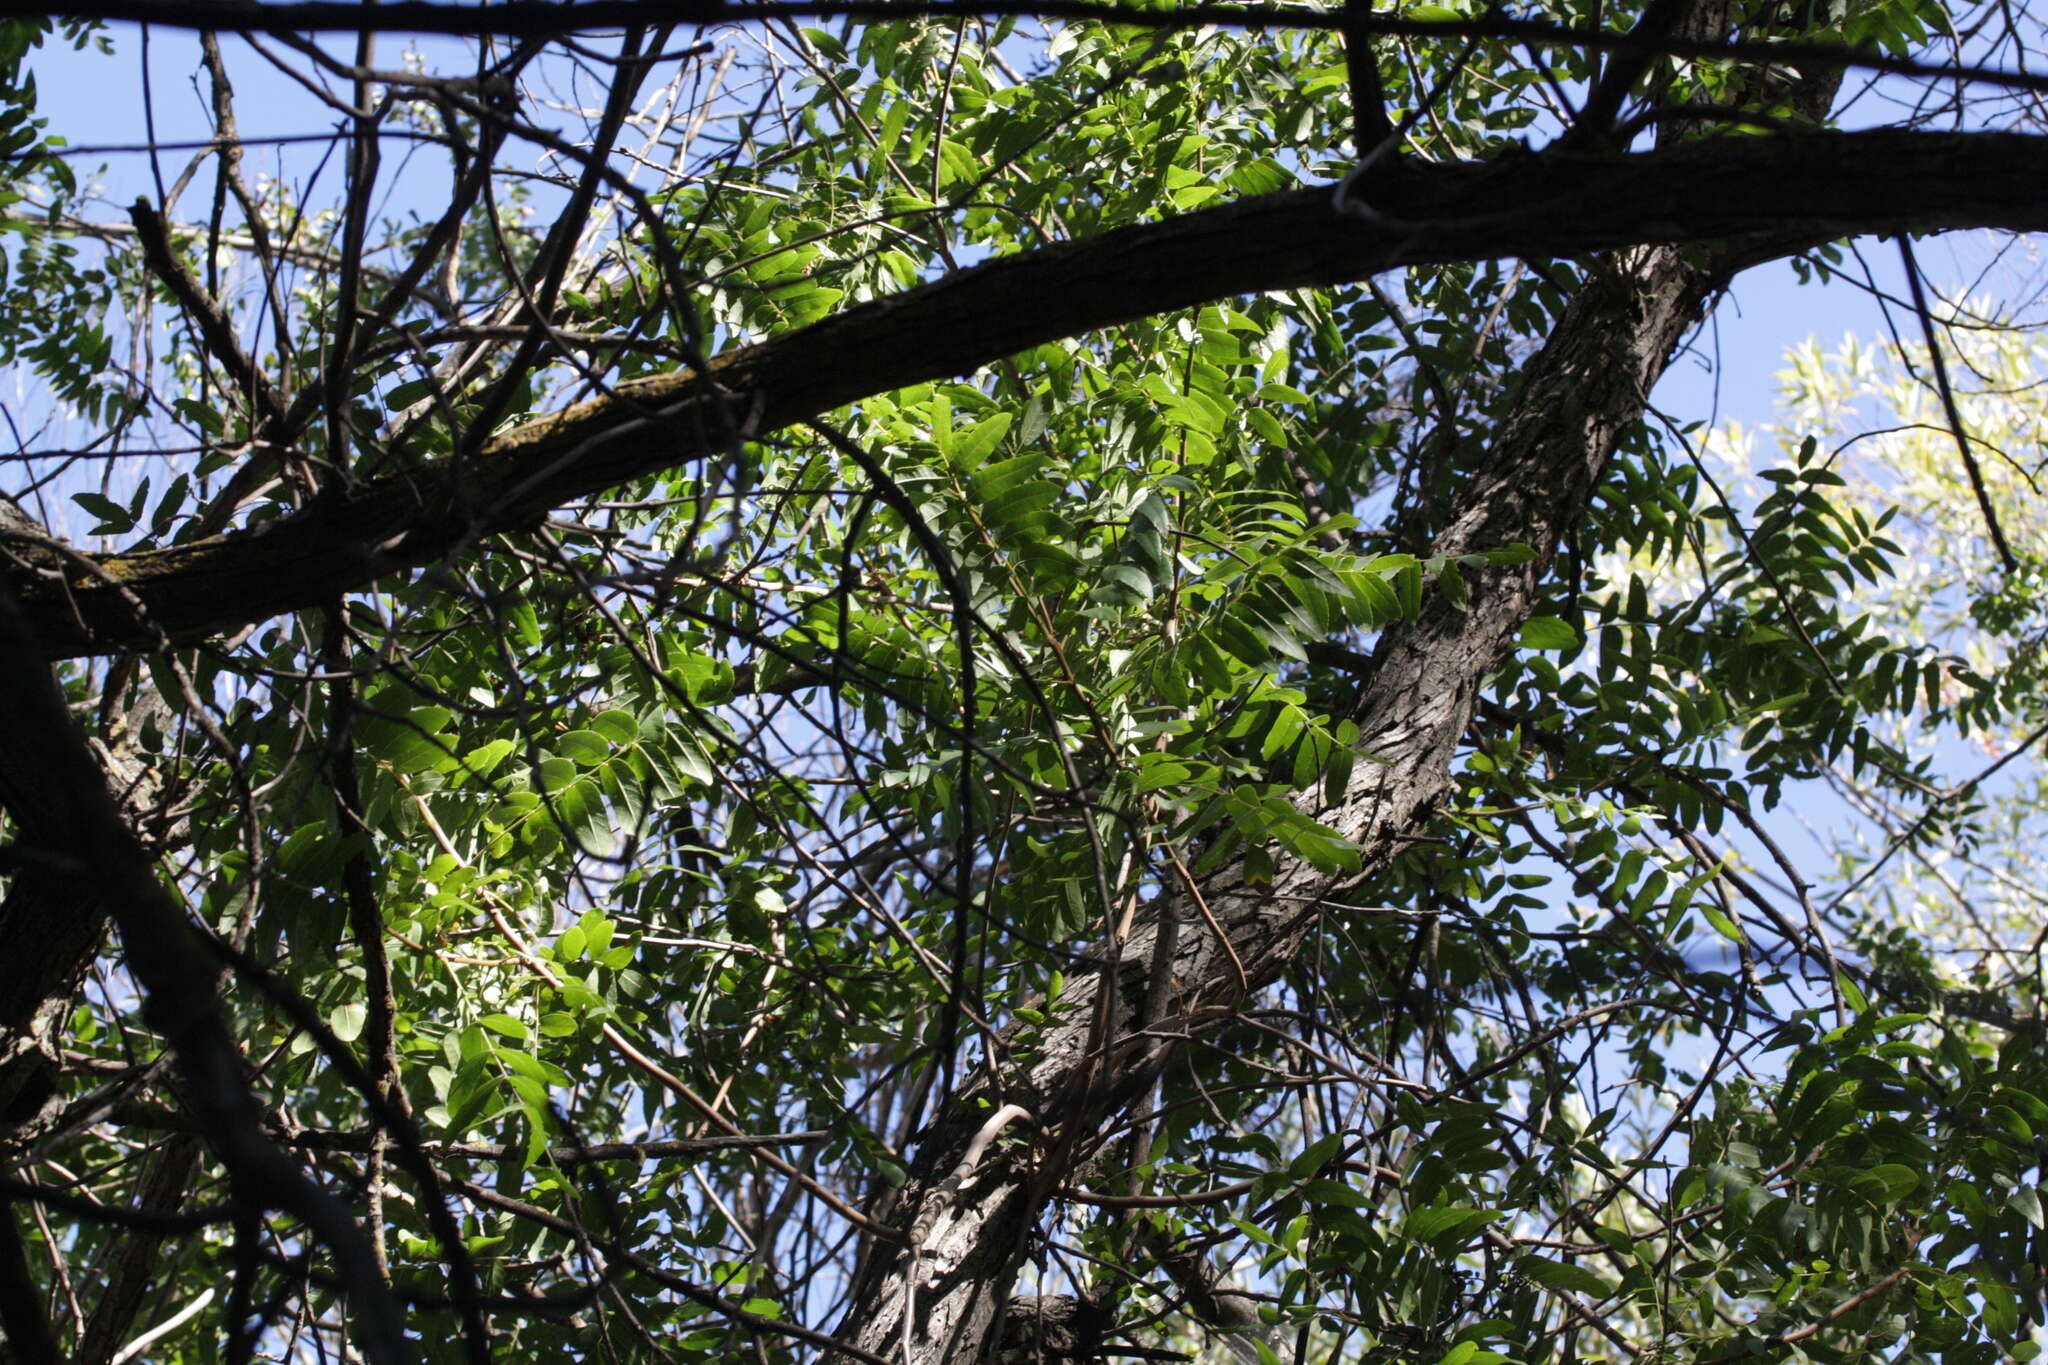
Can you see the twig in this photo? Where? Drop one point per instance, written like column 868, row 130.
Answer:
column 1948, row 405
column 214, row 328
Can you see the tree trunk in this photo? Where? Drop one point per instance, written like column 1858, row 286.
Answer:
column 1579, row 394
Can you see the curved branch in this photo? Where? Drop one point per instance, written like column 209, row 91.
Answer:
column 1771, row 195
column 1578, row 396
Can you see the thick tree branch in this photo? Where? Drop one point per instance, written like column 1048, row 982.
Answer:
column 1776, row 194
column 24, row 1326
column 1370, row 126
column 1580, row 393
column 1597, row 119
column 133, row 1261
column 69, row 829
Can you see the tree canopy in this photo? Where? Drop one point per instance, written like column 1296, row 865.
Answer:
column 1029, row 681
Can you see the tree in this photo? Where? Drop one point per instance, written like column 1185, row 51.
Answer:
column 959, row 691
column 1966, row 883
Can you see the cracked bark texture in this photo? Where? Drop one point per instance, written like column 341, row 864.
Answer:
column 1578, row 396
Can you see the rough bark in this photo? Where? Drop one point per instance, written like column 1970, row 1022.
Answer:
column 1586, row 387
column 1780, row 193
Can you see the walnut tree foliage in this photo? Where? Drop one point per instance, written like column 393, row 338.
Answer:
column 846, row 682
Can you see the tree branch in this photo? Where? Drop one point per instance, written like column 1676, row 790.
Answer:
column 1775, row 194
column 1954, row 413
column 71, row 827
column 1370, row 126
column 161, row 255
column 134, row 1259
column 551, row 18
column 1577, row 397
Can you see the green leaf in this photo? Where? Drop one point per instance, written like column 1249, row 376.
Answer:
column 1723, row 925
column 506, row 1025
column 1156, row 771
column 1852, row 995
column 114, row 519
column 979, row 441
column 1547, row 632
column 2024, row 1199
column 1561, row 1275
column 1315, row 1156
column 484, row 758
column 556, row 775
column 587, row 747
column 346, row 1021
column 2001, row 1307
column 403, row 396
column 1447, row 1227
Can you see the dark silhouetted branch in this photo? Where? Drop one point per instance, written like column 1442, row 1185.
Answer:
column 1772, row 195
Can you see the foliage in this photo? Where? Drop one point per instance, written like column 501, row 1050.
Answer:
column 644, row 895
column 1963, row 878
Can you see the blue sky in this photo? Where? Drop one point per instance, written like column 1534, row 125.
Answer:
column 97, row 100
